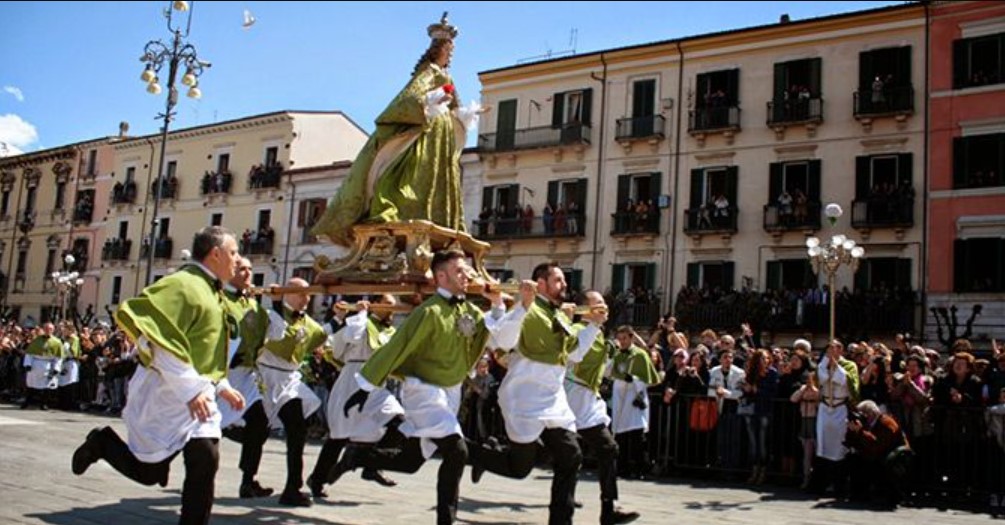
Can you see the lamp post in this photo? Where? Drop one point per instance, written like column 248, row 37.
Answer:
column 66, row 282
column 155, row 55
column 831, row 255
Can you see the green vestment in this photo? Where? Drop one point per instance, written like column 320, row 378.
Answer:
column 547, row 336
column 301, row 337
column 634, row 361
column 181, row 313
column 252, row 321
column 415, row 163
column 590, row 371
column 439, row 343
column 45, row 346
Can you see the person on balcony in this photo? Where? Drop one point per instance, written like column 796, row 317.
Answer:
column 784, row 208
column 573, row 218
column 527, row 219
column 721, row 213
column 878, row 97
column 800, row 212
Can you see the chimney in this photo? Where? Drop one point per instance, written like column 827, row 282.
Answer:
column 123, row 129
column 784, row 19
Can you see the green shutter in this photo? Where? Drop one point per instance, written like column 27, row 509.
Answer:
column 816, row 73
column 618, row 279
column 487, row 198
column 587, row 106
column 902, row 67
column 960, row 163
column 866, row 72
column 810, row 279
column 643, row 98
column 728, row 271
column 733, row 87
column 651, row 276
column 513, row 202
column 774, row 280
column 862, row 276
column 905, row 169
column 813, row 191
column 960, row 65
column 697, row 179
column 624, row 187
column 731, row 185
column 903, row 278
column 704, row 87
column 694, row 275
column 553, row 194
column 506, row 125
column 655, row 185
column 557, row 108
column 780, row 87
column 581, row 196
column 862, row 178
column 774, row 181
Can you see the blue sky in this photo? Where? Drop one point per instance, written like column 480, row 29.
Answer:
column 70, row 71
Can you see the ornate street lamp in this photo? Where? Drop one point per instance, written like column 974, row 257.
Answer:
column 155, row 55
column 66, row 282
column 831, row 255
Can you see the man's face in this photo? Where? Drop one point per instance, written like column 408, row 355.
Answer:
column 242, row 278
column 624, row 340
column 726, row 360
column 223, row 260
column 453, row 276
column 553, row 286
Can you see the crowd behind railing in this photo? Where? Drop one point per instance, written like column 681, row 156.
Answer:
column 948, row 406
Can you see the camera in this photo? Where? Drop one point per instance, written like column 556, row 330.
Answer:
column 854, row 415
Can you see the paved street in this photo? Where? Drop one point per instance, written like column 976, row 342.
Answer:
column 37, row 487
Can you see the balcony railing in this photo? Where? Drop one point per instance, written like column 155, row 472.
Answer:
column 779, row 218
column 652, row 126
column 795, row 111
column 83, row 213
column 710, row 220
column 161, row 251
column 169, row 189
column 26, row 220
column 884, row 102
column 216, row 182
column 633, row 223
column 263, row 177
column 702, row 120
column 124, row 193
column 116, row 249
column 641, row 315
column 542, row 137
column 883, row 212
column 531, row 227
column 256, row 247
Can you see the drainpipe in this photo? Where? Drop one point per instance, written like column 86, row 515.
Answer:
column 13, row 247
column 600, row 169
column 289, row 227
column 143, row 223
column 923, row 298
column 675, row 196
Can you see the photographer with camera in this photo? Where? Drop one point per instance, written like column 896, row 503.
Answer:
column 880, row 455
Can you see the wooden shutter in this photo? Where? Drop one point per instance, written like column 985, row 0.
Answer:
column 862, row 186
column 655, row 185
column 651, row 276
column 731, row 185
column 862, row 276
column 704, row 87
column 302, row 213
column 557, row 108
column 775, row 171
column 580, row 197
column 643, row 98
column 728, row 269
column 813, row 189
column 780, row 87
column 866, row 72
column 733, row 87
column 774, row 280
column 960, row 65
column 513, row 202
column 902, row 67
column 487, row 198
column 553, row 194
column 694, row 275
column 697, row 178
column 816, row 72
column 903, row 277
column 624, row 187
column 905, row 168
column 618, row 279
column 587, row 106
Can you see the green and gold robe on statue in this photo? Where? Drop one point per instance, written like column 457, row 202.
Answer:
column 408, row 169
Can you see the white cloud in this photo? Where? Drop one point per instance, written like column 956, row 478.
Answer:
column 15, row 92
column 16, row 134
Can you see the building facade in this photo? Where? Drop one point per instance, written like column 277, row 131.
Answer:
column 235, row 174
column 704, row 163
column 966, row 244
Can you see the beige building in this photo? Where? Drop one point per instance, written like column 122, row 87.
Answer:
column 239, row 174
column 51, row 206
column 706, row 161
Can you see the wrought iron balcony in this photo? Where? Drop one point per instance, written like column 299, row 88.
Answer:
column 710, row 220
column 779, row 218
column 710, row 119
column 531, row 227
column 652, row 126
column 882, row 212
column 795, row 111
column 890, row 101
column 530, row 138
column 632, row 223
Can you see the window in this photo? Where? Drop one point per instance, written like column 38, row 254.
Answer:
column 216, row 219
column 644, row 98
column 637, row 203
column 506, row 125
column 978, row 61
column 264, row 219
column 22, row 263
column 116, row 289
column 163, row 227
column 60, row 196
column 635, row 277
column 797, row 92
column 572, row 108
column 271, row 155
column 5, row 203
column 50, row 266
column 172, row 169
column 310, row 211
column 979, row 265
column 711, row 275
column 123, row 229
column 884, row 80
column 92, row 163
column 502, row 200
column 131, row 174
column 883, row 175
column 877, row 274
column 718, row 89
column 29, row 200
column 713, row 199
column 223, row 162
column 573, row 282
column 978, row 161
column 790, row 274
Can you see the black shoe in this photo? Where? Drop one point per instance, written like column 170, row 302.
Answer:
column 616, row 516
column 578, row 504
column 371, row 474
column 317, row 488
column 254, row 490
column 294, row 498
column 87, row 454
column 476, row 473
column 345, row 464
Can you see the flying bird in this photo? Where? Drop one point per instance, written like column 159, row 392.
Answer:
column 249, row 20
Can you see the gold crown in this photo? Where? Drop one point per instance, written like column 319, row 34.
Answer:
column 443, row 30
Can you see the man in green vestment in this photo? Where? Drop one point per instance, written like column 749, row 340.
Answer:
column 180, row 328
column 532, row 398
column 633, row 372
column 435, row 350
column 252, row 321
column 582, row 387
column 410, row 166
column 41, row 362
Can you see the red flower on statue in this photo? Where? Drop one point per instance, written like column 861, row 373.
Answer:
column 448, row 89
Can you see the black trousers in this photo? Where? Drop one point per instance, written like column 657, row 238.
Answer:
column 518, row 460
column 256, row 433
column 330, row 452
column 408, row 458
column 292, row 416
column 634, row 453
column 202, row 459
column 600, row 440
